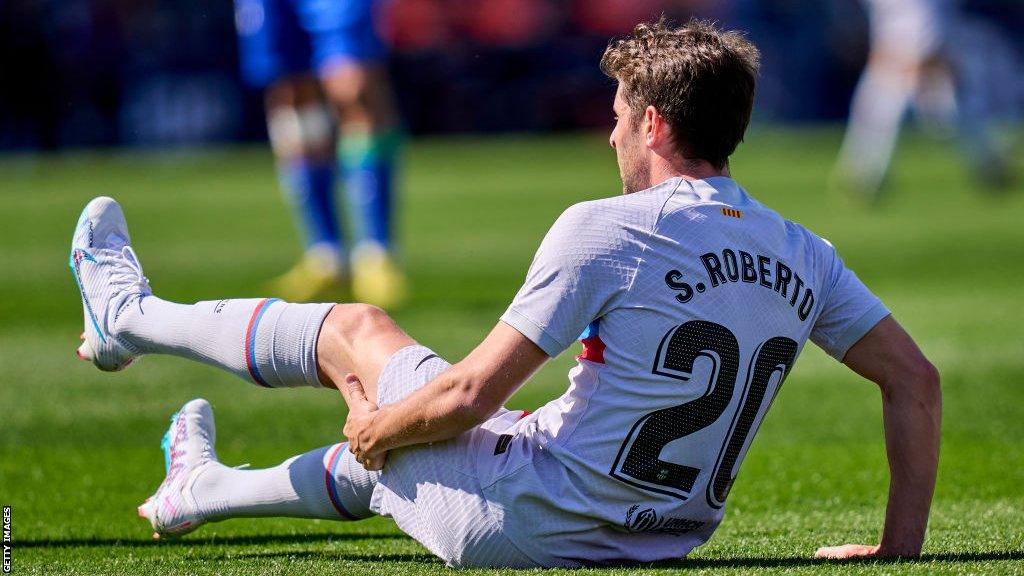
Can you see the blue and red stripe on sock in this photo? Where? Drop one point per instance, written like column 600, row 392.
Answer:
column 332, row 487
column 250, row 340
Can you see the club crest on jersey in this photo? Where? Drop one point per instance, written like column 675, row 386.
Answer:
column 648, row 520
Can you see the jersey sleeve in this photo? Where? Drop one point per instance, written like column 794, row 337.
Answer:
column 582, row 266
column 849, row 309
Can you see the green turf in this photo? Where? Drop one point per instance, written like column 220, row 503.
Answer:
column 79, row 448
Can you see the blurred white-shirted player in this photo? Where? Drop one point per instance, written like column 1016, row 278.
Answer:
column 909, row 64
column 692, row 301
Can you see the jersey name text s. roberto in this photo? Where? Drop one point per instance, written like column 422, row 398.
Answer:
column 728, row 266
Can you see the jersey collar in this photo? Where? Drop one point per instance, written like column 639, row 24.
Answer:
column 717, row 189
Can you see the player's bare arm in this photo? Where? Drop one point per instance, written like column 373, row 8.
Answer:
column 460, row 398
column 912, row 410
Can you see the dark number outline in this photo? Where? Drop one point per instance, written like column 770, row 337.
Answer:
column 638, row 463
column 774, row 356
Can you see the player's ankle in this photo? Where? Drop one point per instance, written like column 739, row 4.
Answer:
column 207, row 488
column 127, row 324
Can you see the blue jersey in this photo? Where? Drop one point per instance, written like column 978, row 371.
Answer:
column 278, row 38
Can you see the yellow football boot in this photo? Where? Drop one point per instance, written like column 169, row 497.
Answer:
column 315, row 278
column 376, row 279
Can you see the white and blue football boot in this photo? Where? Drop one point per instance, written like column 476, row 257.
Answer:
column 188, row 449
column 109, row 277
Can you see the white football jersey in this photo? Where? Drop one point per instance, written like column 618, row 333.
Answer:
column 694, row 301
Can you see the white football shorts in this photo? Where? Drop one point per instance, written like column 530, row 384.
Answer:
column 433, row 491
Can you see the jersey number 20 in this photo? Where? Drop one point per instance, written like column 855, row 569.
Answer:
column 638, row 461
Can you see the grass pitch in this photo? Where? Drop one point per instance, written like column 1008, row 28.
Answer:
column 80, row 449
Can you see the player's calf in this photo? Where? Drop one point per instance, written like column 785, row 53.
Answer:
column 262, row 340
column 360, row 339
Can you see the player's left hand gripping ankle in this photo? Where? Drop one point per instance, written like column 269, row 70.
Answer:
column 359, row 424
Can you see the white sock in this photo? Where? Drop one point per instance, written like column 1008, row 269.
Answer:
column 325, row 483
column 265, row 341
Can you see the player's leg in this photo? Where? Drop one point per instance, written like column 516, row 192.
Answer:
column 266, row 341
column 432, row 491
column 349, row 57
column 367, row 145
column 279, row 344
column 269, row 342
column 903, row 35
column 876, row 113
column 975, row 135
column 275, row 55
column 301, row 129
column 325, row 483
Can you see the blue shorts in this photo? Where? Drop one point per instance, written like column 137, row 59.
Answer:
column 282, row 37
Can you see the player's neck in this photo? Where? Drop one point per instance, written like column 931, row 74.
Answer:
column 685, row 168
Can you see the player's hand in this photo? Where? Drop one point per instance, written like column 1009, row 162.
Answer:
column 847, row 552
column 359, row 424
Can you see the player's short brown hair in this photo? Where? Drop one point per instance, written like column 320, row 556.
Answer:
column 700, row 78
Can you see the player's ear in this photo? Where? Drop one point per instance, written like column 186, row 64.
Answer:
column 652, row 126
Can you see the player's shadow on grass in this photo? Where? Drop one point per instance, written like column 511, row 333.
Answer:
column 426, row 558
column 696, row 563
column 423, row 558
column 797, row 561
column 211, row 541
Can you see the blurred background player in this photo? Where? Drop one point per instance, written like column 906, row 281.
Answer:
column 329, row 111
column 911, row 63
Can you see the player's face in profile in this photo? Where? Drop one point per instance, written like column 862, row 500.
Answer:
column 629, row 149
